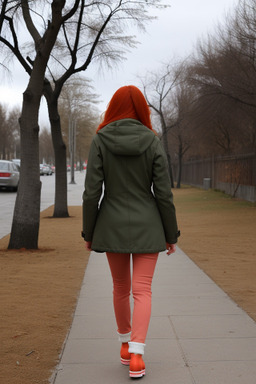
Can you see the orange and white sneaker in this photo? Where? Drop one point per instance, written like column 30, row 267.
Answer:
column 125, row 356
column 137, row 366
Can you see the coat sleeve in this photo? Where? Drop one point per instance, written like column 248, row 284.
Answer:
column 92, row 190
column 164, row 196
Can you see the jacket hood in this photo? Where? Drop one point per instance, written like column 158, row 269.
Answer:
column 127, row 137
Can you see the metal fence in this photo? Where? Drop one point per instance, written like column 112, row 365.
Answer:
column 235, row 175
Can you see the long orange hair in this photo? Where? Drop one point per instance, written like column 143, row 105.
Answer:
column 127, row 102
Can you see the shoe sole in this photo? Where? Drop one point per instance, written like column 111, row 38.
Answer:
column 125, row 361
column 137, row 374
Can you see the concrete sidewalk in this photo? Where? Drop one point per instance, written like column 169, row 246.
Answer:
column 197, row 334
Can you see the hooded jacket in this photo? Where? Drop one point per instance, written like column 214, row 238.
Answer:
column 127, row 201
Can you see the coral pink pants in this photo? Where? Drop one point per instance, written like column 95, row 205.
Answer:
column 143, row 271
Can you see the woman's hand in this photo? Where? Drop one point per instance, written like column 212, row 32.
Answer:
column 171, row 248
column 88, row 245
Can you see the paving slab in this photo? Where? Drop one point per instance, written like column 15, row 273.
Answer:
column 197, row 334
column 218, row 372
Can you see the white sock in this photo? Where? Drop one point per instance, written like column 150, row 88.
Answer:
column 137, row 348
column 125, row 337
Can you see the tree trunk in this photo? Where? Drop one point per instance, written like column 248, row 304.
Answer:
column 179, row 167
column 26, row 218
column 60, row 205
column 166, row 148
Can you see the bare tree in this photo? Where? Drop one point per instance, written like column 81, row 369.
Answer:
column 158, row 88
column 77, row 104
column 219, row 125
column 13, row 124
column 182, row 134
column 9, row 132
column 82, row 39
column 3, row 133
column 25, row 226
column 224, row 68
column 96, row 35
column 46, row 153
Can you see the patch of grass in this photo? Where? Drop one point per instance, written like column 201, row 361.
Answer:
column 191, row 199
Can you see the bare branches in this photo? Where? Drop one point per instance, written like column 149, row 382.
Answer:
column 2, row 15
column 228, row 66
column 29, row 23
column 162, row 84
column 91, row 30
column 72, row 11
column 14, row 47
column 96, row 32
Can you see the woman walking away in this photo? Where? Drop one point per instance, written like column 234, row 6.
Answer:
column 136, row 216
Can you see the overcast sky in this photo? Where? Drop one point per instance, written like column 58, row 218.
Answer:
column 174, row 34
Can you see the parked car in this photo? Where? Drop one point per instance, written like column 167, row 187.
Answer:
column 9, row 175
column 16, row 161
column 45, row 169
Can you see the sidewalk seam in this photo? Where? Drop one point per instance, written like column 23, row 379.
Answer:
column 183, row 355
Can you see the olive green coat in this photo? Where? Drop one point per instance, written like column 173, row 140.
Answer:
column 135, row 213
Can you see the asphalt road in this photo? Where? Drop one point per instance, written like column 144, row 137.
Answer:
column 7, row 199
